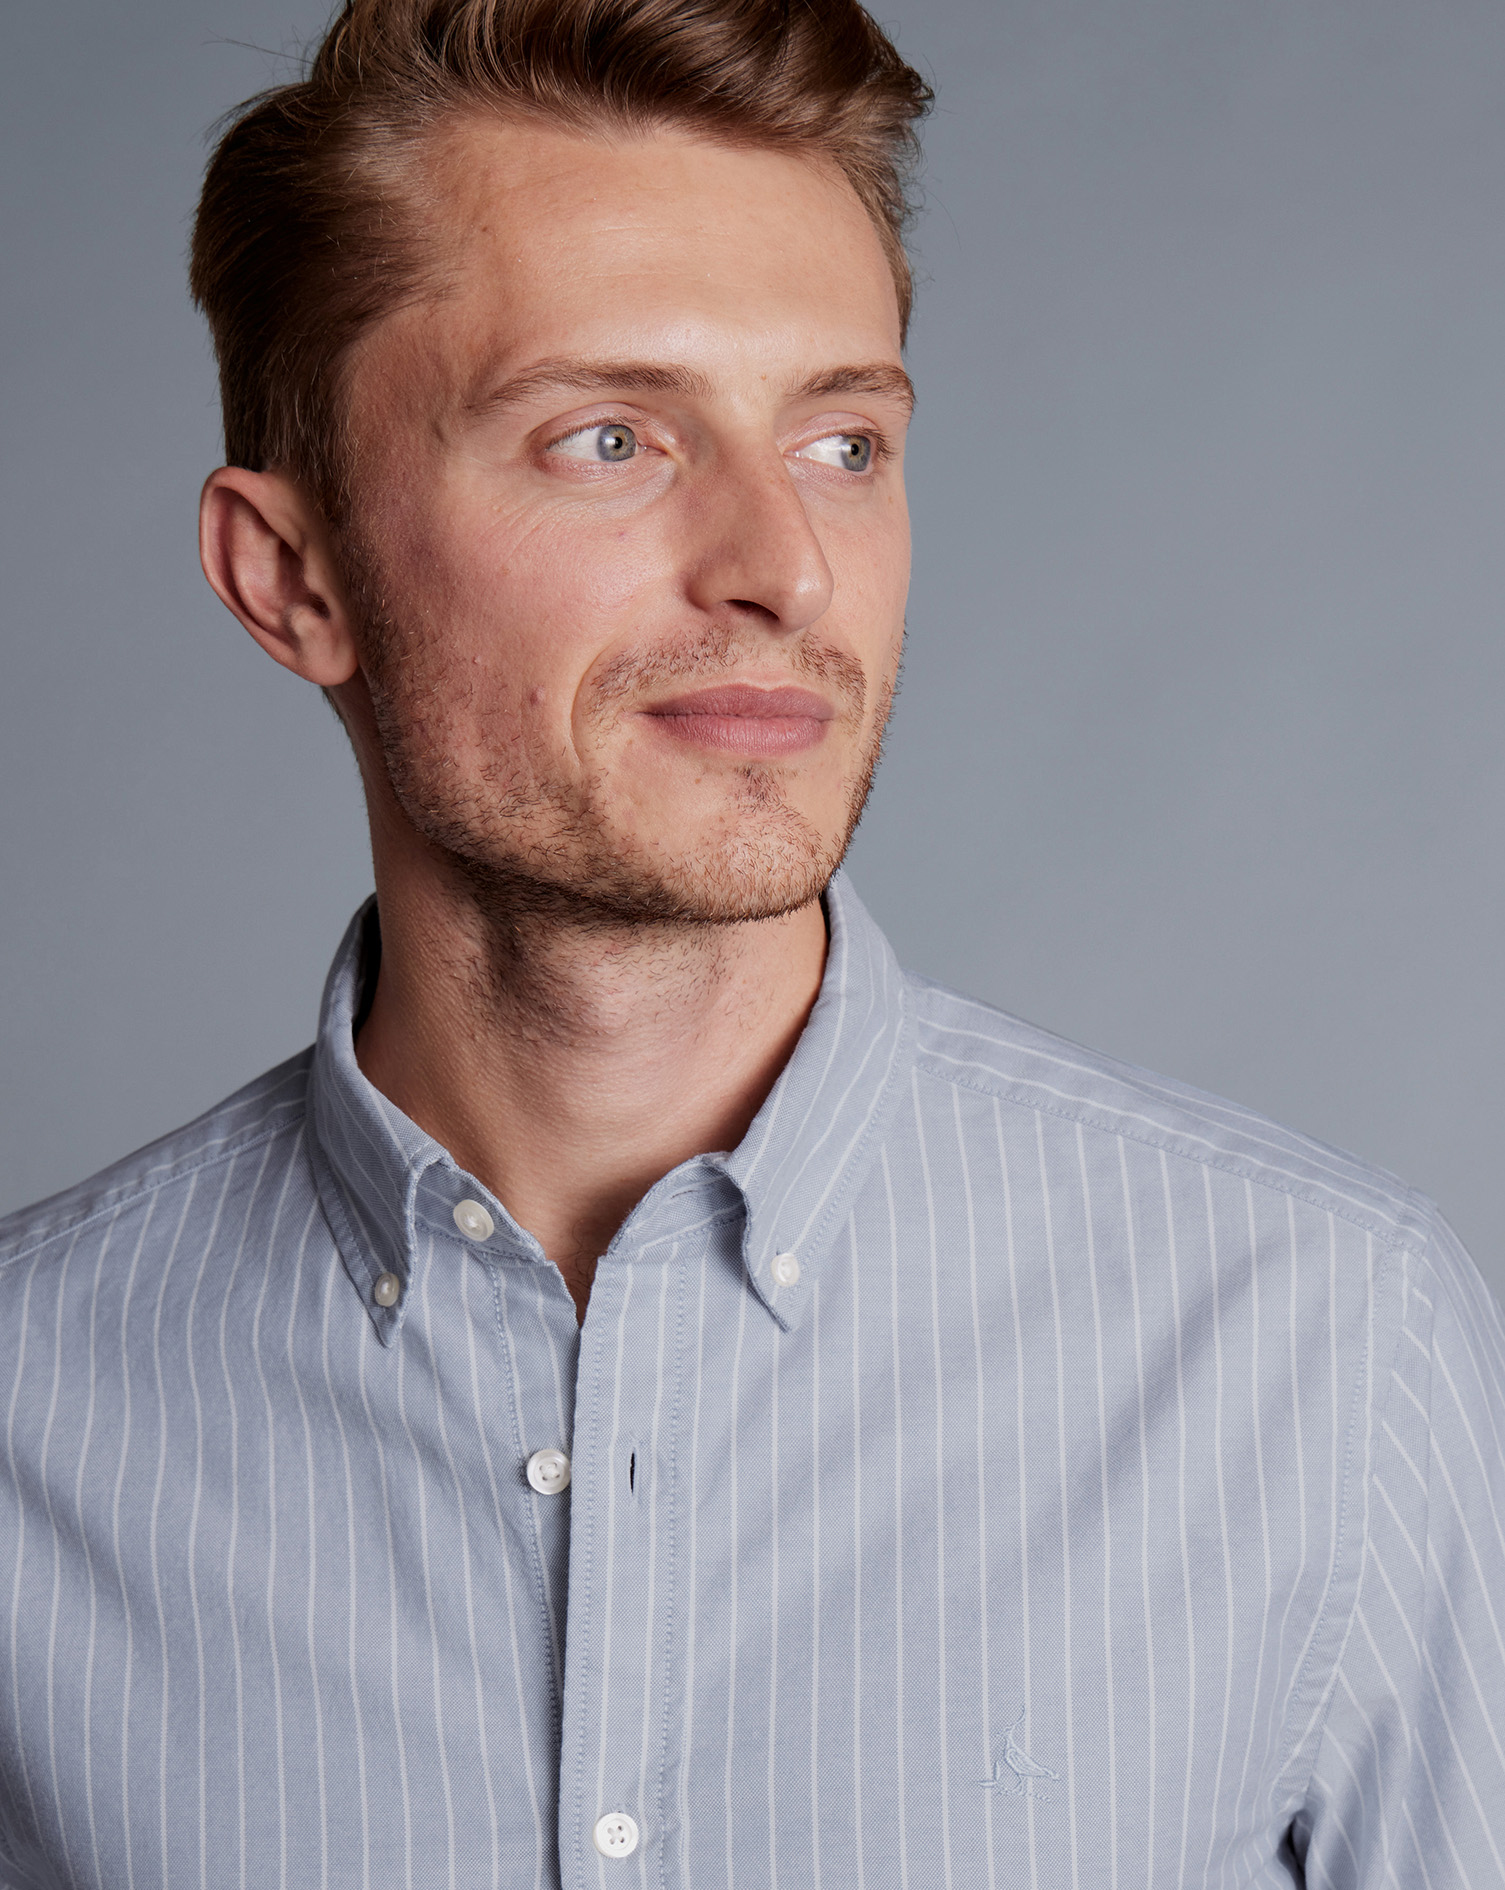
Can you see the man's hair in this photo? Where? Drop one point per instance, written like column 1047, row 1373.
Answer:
column 312, row 220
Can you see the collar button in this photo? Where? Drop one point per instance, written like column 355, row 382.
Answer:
column 473, row 1221
column 785, row 1270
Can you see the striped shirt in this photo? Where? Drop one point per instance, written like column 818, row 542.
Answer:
column 1004, row 1468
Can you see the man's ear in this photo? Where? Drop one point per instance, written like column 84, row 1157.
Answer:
column 270, row 558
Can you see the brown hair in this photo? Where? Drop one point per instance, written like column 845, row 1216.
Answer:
column 306, row 229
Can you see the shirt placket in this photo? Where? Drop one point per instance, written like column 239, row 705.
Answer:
column 528, row 1386
column 622, row 1709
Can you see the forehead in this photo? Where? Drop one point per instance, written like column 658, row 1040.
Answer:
column 550, row 242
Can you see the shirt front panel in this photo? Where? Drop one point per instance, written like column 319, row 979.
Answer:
column 1011, row 1563
column 285, row 1609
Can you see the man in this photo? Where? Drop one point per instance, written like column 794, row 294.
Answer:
column 656, row 1394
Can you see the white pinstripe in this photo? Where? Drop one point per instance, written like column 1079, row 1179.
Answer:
column 193, row 1532
column 84, row 1538
column 477, row 1686
column 1173, row 1273
column 731, row 1664
column 1090, row 1246
column 985, row 1675
column 1026, row 1635
column 1131, row 1256
column 690, row 1688
column 1066, row 1595
column 901, row 1808
column 860, row 1819
column 942, row 1656
column 650, row 1471
column 1222, row 1496
column 310, row 1607
column 401, row 1741
column 57, row 1377
column 362, row 1781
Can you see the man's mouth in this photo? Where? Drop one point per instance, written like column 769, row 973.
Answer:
column 740, row 718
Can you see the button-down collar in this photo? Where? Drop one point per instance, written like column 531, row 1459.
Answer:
column 382, row 1179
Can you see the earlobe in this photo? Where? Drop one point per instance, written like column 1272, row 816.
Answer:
column 268, row 554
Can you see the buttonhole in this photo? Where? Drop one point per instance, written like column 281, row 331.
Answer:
column 632, row 1471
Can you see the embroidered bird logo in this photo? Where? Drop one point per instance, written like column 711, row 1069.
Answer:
column 1024, row 1769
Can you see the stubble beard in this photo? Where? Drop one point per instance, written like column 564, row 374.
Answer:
column 528, row 850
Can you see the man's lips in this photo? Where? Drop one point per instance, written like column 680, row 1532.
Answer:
column 745, row 720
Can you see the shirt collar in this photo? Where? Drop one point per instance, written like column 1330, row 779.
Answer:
column 381, row 1178
column 812, row 1143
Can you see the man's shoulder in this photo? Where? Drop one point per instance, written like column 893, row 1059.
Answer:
column 271, row 1106
column 962, row 1041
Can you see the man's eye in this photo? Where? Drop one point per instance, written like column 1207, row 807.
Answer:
column 852, row 451
column 612, row 442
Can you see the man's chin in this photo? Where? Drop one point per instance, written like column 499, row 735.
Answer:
column 727, row 883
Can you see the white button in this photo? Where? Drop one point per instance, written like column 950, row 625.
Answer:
column 473, row 1221
column 785, row 1270
column 387, row 1290
column 549, row 1473
column 616, row 1835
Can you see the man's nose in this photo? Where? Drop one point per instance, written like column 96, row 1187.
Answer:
column 754, row 550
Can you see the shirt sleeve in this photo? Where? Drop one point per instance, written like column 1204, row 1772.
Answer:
column 1409, row 1782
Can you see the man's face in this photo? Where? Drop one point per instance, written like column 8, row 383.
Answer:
column 629, row 532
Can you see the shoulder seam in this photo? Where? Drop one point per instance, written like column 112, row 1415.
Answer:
column 1391, row 1232
column 77, row 1227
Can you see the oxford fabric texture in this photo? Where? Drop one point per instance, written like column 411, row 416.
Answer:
column 1114, row 1498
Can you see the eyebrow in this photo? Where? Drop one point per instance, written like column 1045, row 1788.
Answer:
column 879, row 377
column 648, row 377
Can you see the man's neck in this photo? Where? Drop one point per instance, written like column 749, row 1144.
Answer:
column 568, row 1066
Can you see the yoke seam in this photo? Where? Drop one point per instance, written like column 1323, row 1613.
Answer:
column 1390, row 1235
column 147, row 1189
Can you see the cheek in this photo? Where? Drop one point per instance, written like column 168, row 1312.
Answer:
column 870, row 562
column 502, row 617
column 542, row 592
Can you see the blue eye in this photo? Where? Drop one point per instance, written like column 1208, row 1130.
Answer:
column 615, row 442
column 612, row 442
column 851, row 451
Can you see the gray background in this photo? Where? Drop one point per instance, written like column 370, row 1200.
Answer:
column 1197, row 758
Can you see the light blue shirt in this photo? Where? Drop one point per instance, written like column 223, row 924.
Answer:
column 1004, row 1468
